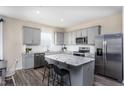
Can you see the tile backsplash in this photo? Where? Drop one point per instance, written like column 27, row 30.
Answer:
column 76, row 47
column 58, row 48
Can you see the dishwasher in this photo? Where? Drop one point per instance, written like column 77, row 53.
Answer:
column 39, row 59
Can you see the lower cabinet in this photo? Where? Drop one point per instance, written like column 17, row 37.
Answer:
column 33, row 60
column 28, row 61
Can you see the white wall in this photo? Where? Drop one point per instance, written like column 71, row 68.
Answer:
column 109, row 24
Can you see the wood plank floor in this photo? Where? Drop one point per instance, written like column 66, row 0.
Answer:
column 33, row 77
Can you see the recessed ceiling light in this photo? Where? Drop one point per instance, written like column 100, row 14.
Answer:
column 61, row 19
column 38, row 12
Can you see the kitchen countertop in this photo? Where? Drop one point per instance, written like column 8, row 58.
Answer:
column 50, row 52
column 70, row 59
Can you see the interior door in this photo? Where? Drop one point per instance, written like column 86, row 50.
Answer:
column 113, row 63
column 99, row 55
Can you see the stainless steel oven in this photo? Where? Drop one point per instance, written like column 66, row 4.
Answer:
column 81, row 40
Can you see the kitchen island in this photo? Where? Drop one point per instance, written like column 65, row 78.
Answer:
column 81, row 68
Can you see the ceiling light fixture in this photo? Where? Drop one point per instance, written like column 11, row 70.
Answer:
column 38, row 12
column 61, row 19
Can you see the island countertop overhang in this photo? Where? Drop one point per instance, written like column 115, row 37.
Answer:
column 70, row 59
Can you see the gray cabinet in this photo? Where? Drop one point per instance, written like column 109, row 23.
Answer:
column 59, row 38
column 78, row 33
column 69, row 38
column 84, row 33
column 92, row 33
column 66, row 38
column 73, row 38
column 82, row 75
column 31, row 36
column 81, row 33
column 28, row 61
column 27, row 36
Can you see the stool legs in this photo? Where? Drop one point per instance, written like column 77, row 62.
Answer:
column 69, row 79
column 54, row 78
column 48, row 77
column 61, row 82
column 44, row 74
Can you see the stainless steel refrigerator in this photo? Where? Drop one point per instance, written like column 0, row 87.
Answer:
column 109, row 56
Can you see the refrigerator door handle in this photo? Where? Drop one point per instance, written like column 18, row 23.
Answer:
column 105, row 50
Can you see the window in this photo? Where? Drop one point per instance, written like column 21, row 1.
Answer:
column 46, row 39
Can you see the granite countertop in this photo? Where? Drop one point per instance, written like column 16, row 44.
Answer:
column 70, row 59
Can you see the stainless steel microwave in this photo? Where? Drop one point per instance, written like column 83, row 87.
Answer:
column 81, row 40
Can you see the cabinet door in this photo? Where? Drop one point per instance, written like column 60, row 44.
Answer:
column 66, row 38
column 78, row 33
column 27, row 35
column 28, row 61
column 84, row 32
column 59, row 38
column 92, row 33
column 73, row 38
column 69, row 38
column 36, row 37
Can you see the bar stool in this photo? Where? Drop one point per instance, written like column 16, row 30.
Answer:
column 50, row 72
column 61, row 73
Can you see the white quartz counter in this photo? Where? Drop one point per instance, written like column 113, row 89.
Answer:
column 69, row 59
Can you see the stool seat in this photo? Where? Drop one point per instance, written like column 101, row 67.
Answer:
column 49, row 66
column 61, row 72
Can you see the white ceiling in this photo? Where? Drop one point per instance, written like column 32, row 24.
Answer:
column 51, row 15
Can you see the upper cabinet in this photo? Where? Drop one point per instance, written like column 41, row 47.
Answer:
column 73, row 38
column 81, row 33
column 31, row 36
column 92, row 32
column 84, row 33
column 66, row 38
column 78, row 33
column 69, row 38
column 59, row 38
